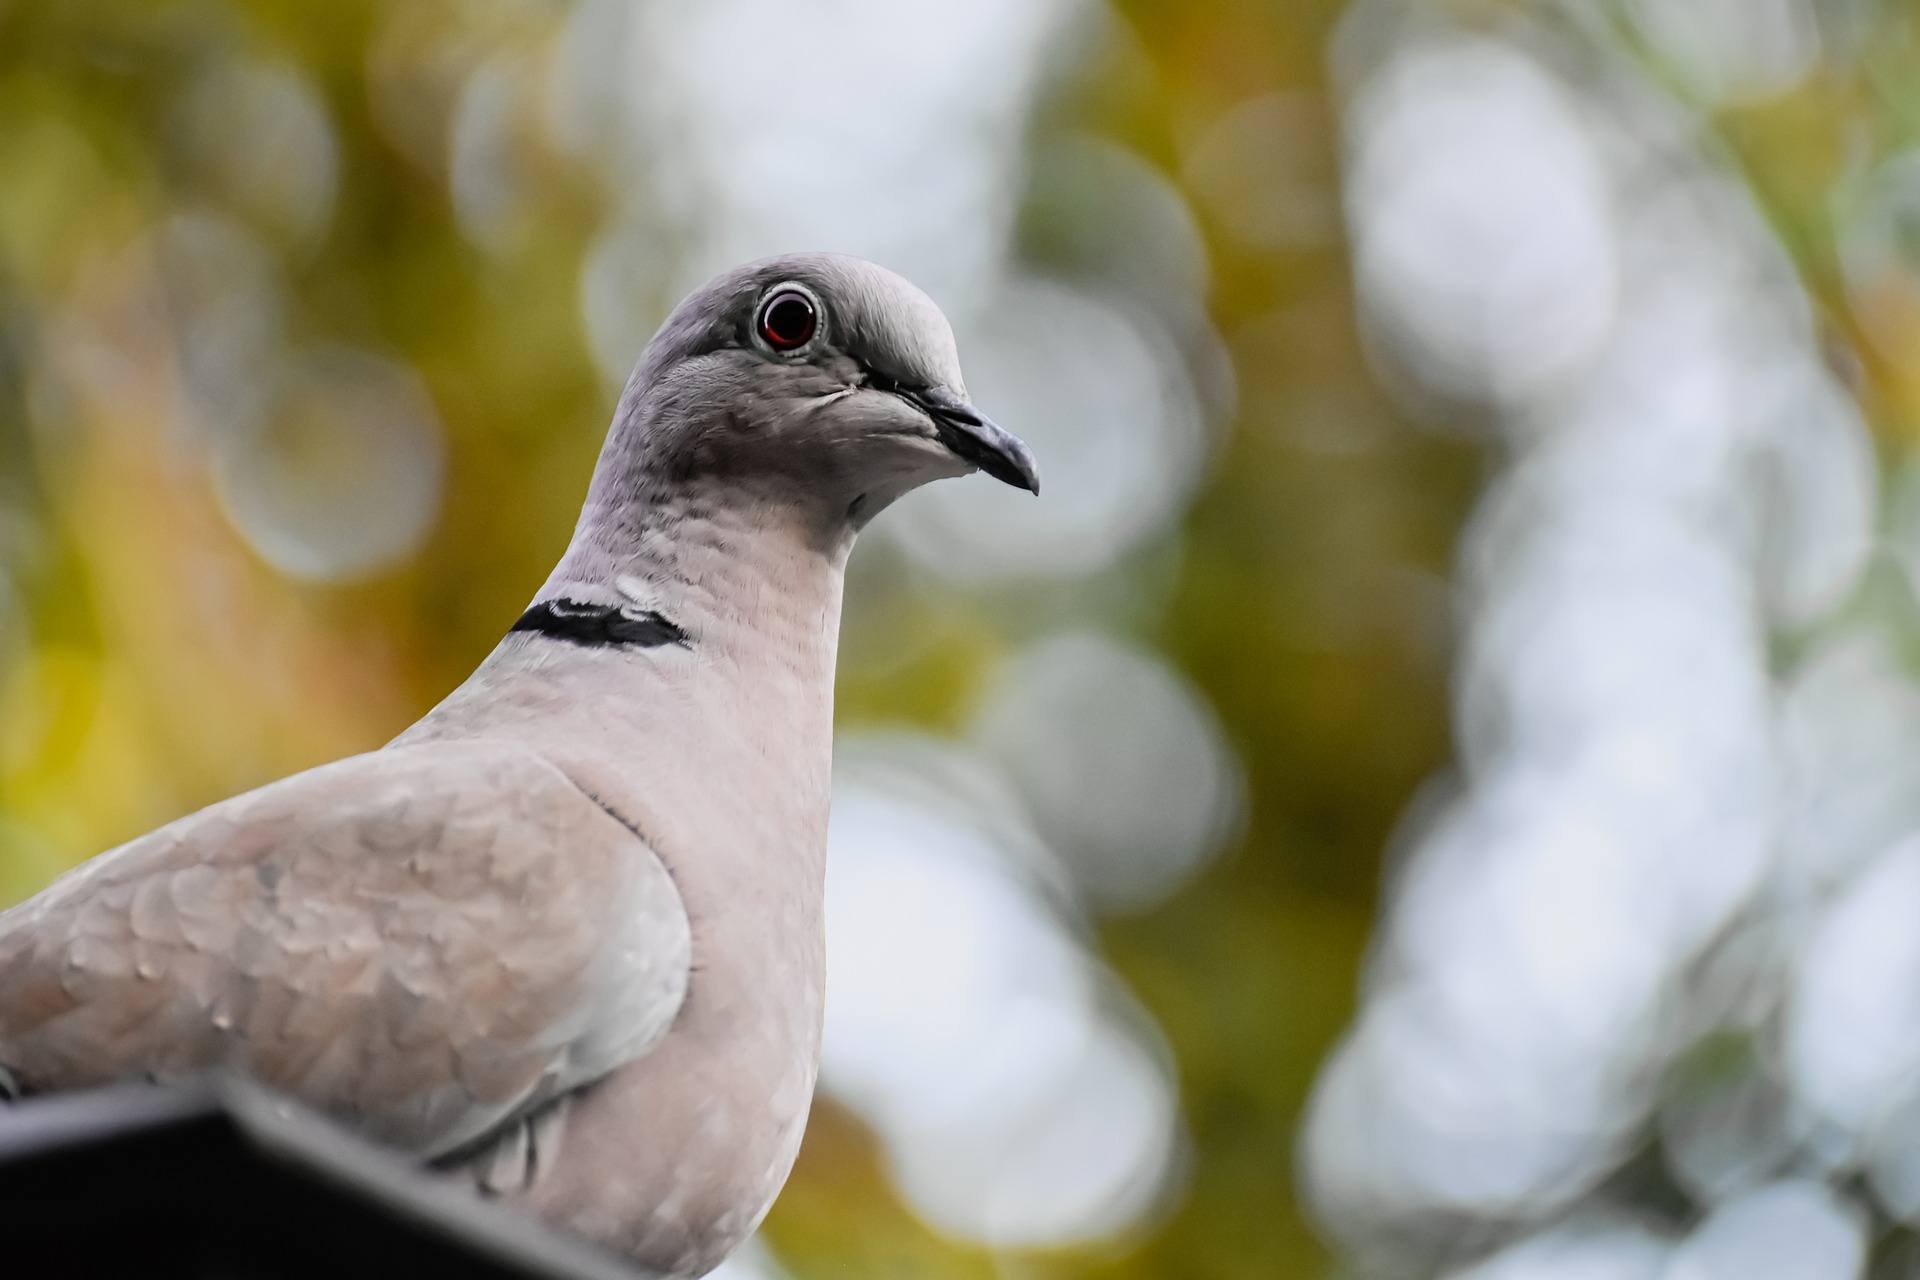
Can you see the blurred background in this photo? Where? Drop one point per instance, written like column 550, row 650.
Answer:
column 1433, row 789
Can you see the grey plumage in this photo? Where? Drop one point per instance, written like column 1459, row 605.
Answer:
column 562, row 937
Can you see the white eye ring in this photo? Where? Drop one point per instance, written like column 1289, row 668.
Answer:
column 789, row 319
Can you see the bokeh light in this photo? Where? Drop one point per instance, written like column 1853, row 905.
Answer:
column 1019, row 1099
column 1121, row 764
column 343, row 475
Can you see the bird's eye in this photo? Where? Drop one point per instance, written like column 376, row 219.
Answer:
column 787, row 320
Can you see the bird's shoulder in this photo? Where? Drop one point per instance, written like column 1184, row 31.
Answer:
column 445, row 818
column 423, row 937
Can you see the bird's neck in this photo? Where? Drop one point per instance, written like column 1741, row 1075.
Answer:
column 741, row 570
column 733, row 723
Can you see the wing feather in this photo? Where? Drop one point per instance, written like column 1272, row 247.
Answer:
column 425, row 942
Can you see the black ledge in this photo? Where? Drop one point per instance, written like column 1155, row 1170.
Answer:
column 225, row 1180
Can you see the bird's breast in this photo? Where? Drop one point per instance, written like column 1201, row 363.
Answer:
column 674, row 1159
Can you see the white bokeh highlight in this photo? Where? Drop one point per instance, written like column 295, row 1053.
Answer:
column 1583, row 1250
column 1020, row 1099
column 1732, row 50
column 342, row 477
column 1121, row 762
column 1790, row 1230
column 1483, row 244
column 258, row 137
column 1853, row 1036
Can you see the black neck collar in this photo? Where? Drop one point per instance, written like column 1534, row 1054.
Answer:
column 601, row 625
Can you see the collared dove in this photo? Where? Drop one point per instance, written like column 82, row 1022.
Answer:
column 563, row 937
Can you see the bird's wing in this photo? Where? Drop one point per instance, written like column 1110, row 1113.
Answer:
column 426, row 942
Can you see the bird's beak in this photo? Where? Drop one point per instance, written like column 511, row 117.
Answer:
column 977, row 439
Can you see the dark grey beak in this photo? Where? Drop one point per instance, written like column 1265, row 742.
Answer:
column 978, row 439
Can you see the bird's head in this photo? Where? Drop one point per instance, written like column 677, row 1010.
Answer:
column 823, row 377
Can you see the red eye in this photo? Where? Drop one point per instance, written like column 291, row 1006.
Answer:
column 787, row 320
